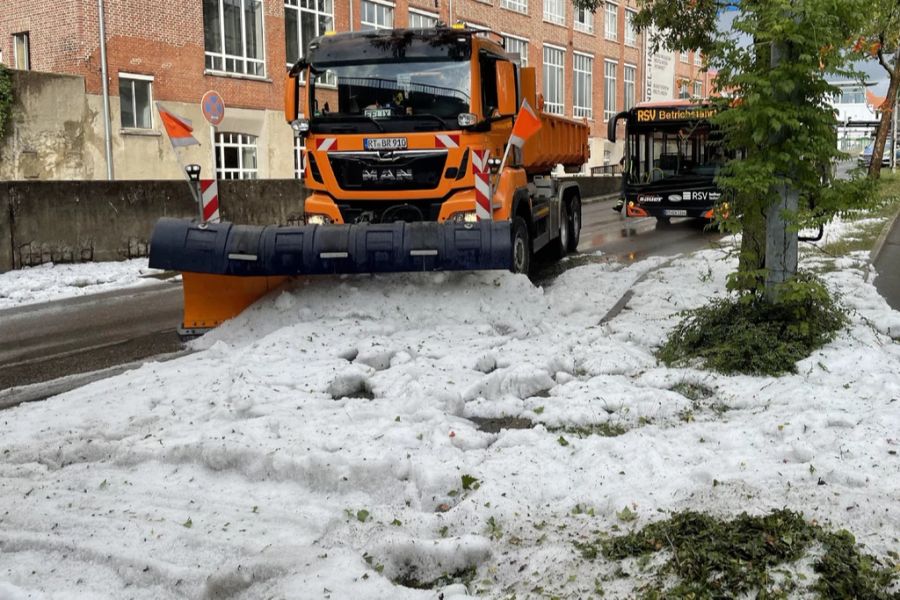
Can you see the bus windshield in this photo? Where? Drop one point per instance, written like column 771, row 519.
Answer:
column 673, row 151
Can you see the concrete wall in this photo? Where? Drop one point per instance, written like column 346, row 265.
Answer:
column 599, row 186
column 77, row 221
column 57, row 135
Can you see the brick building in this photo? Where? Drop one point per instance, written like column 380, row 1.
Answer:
column 589, row 66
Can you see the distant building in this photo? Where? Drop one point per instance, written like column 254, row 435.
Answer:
column 858, row 112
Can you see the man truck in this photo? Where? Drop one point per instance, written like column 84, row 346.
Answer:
column 412, row 164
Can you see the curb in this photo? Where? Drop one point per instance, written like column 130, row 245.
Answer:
column 604, row 197
column 883, row 236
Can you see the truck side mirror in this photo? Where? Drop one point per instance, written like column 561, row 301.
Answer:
column 506, row 87
column 291, row 97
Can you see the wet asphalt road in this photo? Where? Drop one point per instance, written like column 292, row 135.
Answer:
column 42, row 342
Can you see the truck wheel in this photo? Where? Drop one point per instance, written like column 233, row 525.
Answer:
column 574, row 221
column 560, row 246
column 521, row 246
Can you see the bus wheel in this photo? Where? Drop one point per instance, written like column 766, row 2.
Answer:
column 663, row 222
column 574, row 223
column 521, row 247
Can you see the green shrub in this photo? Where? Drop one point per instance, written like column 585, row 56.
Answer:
column 6, row 99
column 748, row 334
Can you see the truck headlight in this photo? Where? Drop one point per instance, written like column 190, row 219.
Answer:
column 300, row 127
column 318, row 219
column 466, row 216
column 466, row 119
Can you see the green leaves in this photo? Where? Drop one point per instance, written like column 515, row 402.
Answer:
column 470, row 483
column 6, row 99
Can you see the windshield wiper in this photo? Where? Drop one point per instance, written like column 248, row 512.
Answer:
column 429, row 116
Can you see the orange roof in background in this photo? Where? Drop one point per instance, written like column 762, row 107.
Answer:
column 876, row 102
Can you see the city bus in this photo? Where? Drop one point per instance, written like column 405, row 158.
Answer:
column 672, row 156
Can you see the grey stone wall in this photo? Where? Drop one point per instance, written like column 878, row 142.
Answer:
column 73, row 221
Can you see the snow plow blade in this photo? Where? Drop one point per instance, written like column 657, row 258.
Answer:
column 255, row 251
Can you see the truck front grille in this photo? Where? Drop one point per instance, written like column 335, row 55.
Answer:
column 373, row 171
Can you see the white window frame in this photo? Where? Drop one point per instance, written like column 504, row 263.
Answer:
column 433, row 17
column 137, row 77
column 555, row 11
column 611, row 25
column 244, row 61
column 631, row 34
column 683, row 57
column 586, row 25
column 519, row 6
column 698, row 89
column 556, row 105
column 239, row 141
column 583, row 77
column 22, row 38
column 698, row 59
column 683, row 89
column 309, row 7
column 389, row 7
column 609, row 91
column 629, row 84
column 523, row 58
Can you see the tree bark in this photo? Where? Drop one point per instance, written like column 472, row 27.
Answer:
column 884, row 126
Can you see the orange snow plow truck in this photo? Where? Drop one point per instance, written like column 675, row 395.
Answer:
column 405, row 131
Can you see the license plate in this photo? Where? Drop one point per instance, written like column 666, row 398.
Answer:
column 385, row 143
column 675, row 213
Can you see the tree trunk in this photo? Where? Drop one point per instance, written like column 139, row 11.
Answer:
column 887, row 112
column 750, row 276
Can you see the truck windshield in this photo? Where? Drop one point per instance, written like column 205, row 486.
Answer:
column 390, row 96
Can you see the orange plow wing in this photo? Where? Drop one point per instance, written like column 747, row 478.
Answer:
column 210, row 300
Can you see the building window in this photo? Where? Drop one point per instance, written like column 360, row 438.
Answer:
column 612, row 21
column 517, row 46
column 698, row 59
column 698, row 89
column 304, row 20
column 299, row 159
column 609, row 92
column 374, row 15
column 631, row 36
column 22, row 51
column 555, row 11
column 554, row 84
column 135, row 101
column 583, row 65
column 516, row 5
column 683, row 57
column 422, row 20
column 233, row 36
column 584, row 20
column 236, row 156
column 852, row 95
column 683, row 91
column 629, row 78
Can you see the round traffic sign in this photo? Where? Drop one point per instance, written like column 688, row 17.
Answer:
column 213, row 107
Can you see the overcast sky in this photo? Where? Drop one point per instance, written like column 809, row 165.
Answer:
column 876, row 74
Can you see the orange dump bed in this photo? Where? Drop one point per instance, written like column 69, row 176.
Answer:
column 560, row 140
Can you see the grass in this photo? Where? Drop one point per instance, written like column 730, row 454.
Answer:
column 866, row 234
column 762, row 556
